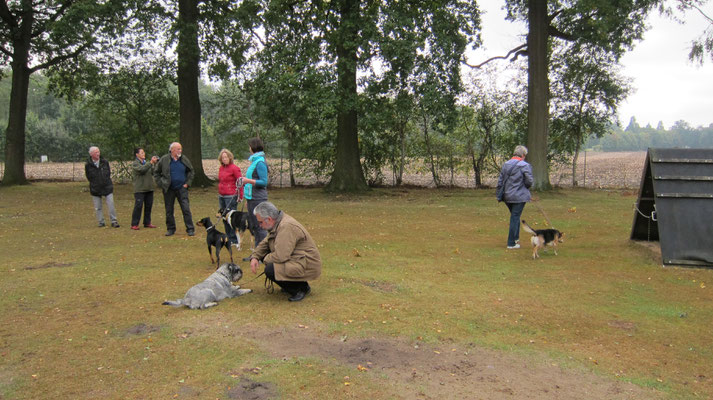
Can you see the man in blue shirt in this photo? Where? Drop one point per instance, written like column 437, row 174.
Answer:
column 174, row 174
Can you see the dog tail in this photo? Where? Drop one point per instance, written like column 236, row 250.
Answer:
column 175, row 303
column 527, row 228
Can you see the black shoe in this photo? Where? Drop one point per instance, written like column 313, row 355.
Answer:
column 191, row 233
column 114, row 224
column 170, row 233
column 101, row 225
column 300, row 295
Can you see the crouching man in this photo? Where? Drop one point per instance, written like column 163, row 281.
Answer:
column 290, row 255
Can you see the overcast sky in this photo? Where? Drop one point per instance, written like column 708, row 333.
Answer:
column 667, row 86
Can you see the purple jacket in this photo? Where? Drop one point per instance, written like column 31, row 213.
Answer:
column 516, row 176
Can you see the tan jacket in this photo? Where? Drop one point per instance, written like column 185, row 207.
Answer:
column 291, row 249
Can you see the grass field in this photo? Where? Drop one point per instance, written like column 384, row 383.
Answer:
column 418, row 299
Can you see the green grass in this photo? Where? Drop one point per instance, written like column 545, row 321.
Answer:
column 427, row 265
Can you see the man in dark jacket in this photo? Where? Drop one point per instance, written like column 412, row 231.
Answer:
column 98, row 174
column 174, row 174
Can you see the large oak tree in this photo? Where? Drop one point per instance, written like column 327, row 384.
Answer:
column 612, row 27
column 377, row 39
column 37, row 35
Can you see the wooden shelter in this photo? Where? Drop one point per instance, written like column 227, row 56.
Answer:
column 675, row 205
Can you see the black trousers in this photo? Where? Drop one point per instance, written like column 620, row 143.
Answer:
column 290, row 287
column 258, row 233
column 142, row 200
column 169, row 199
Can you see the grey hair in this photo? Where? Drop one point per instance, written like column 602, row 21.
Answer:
column 520, row 151
column 170, row 146
column 266, row 210
column 92, row 148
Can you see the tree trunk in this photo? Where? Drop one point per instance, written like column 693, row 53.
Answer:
column 538, row 94
column 574, row 165
column 402, row 155
column 348, row 175
column 15, row 132
column 188, row 96
column 291, row 152
column 428, row 150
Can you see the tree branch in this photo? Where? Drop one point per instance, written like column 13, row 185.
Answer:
column 60, row 59
column 521, row 49
column 552, row 31
column 702, row 13
column 42, row 28
column 6, row 15
column 5, row 51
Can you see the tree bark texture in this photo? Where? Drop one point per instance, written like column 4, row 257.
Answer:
column 348, row 175
column 15, row 132
column 538, row 93
column 188, row 97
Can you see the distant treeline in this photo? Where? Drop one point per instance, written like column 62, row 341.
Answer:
column 63, row 130
column 635, row 137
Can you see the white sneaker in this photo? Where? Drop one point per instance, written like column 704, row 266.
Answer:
column 517, row 246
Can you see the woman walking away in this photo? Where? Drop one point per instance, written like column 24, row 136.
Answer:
column 513, row 188
column 255, row 182
column 229, row 195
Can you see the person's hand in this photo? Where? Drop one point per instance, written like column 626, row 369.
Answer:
column 185, row 185
column 253, row 265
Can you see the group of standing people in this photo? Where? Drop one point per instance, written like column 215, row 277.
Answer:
column 290, row 260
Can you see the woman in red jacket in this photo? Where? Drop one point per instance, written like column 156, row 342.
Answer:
column 228, row 174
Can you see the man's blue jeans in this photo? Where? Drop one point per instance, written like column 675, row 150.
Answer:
column 515, row 213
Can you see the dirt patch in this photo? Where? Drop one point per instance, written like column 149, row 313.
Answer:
column 626, row 325
column 652, row 248
column 248, row 389
column 384, row 287
column 142, row 329
column 433, row 372
column 48, row 265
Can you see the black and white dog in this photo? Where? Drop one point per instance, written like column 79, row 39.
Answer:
column 238, row 222
column 215, row 238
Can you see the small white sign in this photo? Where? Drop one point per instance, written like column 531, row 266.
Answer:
column 43, row 159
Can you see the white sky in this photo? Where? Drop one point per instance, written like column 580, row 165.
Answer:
column 667, row 86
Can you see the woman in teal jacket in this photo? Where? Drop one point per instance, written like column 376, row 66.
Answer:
column 255, row 183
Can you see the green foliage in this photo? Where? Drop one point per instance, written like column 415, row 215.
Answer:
column 136, row 106
column 637, row 138
column 586, row 91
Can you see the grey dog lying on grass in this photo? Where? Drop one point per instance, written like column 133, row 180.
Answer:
column 218, row 286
